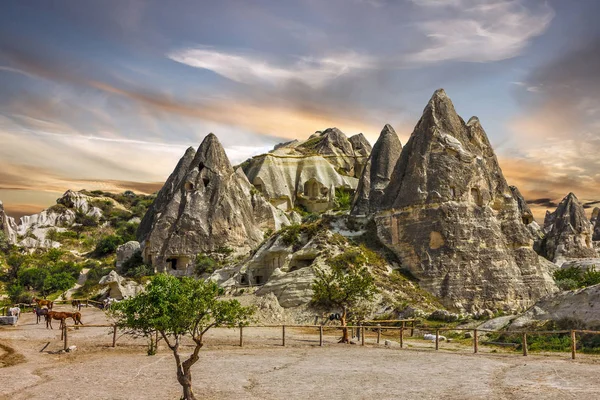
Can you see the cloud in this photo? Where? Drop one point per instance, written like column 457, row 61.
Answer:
column 479, row 31
column 251, row 67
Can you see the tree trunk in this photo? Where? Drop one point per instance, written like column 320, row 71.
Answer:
column 345, row 338
column 185, row 380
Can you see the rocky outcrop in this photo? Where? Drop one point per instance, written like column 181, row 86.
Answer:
column 527, row 217
column 568, row 232
column 452, row 220
column 594, row 216
column 575, row 307
column 119, row 287
column 34, row 228
column 288, row 181
column 8, row 226
column 204, row 206
column 125, row 252
column 377, row 172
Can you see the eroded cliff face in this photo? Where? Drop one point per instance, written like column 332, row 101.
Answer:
column 307, row 173
column 205, row 205
column 377, row 172
column 568, row 232
column 452, row 220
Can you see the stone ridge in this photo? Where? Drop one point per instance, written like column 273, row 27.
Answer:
column 451, row 218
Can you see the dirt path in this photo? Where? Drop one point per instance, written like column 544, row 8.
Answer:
column 263, row 369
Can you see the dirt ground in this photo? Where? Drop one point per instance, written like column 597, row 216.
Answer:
column 264, row 369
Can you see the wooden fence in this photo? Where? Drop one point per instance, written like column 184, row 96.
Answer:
column 403, row 330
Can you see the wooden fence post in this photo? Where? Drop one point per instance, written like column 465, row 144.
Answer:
column 524, row 343
column 241, row 335
column 283, row 335
column 475, row 342
column 321, row 335
column 66, row 342
column 362, row 335
column 573, row 344
column 86, row 303
column 402, row 335
column 378, row 333
column 437, row 339
column 412, row 328
column 114, row 336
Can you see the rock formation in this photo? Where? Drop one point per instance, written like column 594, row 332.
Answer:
column 594, row 216
column 334, row 146
column 34, row 228
column 580, row 307
column 8, row 226
column 289, row 181
column 452, row 220
column 119, row 287
column 377, row 172
column 568, row 232
column 205, row 205
column 125, row 252
column 527, row 218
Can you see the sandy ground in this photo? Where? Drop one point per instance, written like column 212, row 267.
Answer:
column 263, row 369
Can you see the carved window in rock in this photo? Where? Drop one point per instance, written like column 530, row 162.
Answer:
column 527, row 218
column 206, row 181
column 312, row 189
column 476, row 196
column 189, row 186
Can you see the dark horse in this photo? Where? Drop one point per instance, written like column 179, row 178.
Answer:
column 39, row 313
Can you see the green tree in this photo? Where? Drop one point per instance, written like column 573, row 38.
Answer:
column 59, row 282
column 345, row 285
column 108, row 245
column 176, row 308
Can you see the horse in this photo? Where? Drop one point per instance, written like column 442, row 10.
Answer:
column 14, row 312
column 44, row 302
column 39, row 312
column 61, row 316
column 76, row 304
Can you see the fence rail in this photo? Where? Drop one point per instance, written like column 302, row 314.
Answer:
column 360, row 329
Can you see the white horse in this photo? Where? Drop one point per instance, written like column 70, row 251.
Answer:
column 14, row 312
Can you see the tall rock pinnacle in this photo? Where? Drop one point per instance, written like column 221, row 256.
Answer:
column 568, row 232
column 205, row 205
column 376, row 174
column 451, row 218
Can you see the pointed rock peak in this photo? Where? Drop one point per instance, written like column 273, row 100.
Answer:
column 388, row 130
column 333, row 131
column 571, row 197
column 211, row 154
column 440, row 112
column 474, row 121
column 360, row 144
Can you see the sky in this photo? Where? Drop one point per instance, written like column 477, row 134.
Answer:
column 108, row 94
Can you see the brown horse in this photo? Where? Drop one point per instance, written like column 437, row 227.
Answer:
column 44, row 303
column 61, row 316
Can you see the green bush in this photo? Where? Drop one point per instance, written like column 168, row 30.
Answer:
column 108, row 245
column 135, row 267
column 343, row 199
column 85, row 220
column 567, row 284
column 574, row 277
column 205, row 264
column 59, row 282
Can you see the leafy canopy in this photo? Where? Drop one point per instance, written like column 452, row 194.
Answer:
column 346, row 284
column 178, row 307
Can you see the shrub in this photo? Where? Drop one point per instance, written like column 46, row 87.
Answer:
column 224, row 250
column 85, row 220
column 205, row 264
column 567, row 284
column 59, row 282
column 343, row 199
column 108, row 245
column 135, row 267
